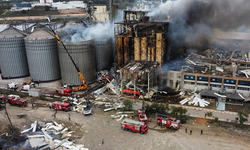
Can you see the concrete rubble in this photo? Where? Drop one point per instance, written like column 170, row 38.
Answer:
column 114, row 106
column 195, row 100
column 45, row 137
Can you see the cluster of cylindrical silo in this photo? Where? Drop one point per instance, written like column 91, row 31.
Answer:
column 40, row 56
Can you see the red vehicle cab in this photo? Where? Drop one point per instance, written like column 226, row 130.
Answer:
column 65, row 92
column 142, row 116
column 62, row 106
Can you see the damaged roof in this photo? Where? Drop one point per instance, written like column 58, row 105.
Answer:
column 237, row 96
column 209, row 93
column 140, row 67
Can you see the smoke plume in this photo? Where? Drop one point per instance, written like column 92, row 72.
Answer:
column 77, row 32
column 193, row 21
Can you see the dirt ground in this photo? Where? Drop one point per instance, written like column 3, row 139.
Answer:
column 90, row 130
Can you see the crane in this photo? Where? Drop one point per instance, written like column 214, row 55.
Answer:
column 84, row 85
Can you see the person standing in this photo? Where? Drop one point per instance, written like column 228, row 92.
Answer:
column 186, row 130
column 190, row 132
column 201, row 132
column 69, row 116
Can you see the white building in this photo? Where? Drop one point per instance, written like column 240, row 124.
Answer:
column 69, row 5
column 46, row 1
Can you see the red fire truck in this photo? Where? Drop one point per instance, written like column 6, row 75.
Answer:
column 16, row 100
column 64, row 91
column 142, row 114
column 134, row 126
column 167, row 121
column 62, row 106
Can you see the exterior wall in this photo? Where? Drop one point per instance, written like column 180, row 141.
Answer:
column 101, row 13
column 170, row 78
column 224, row 84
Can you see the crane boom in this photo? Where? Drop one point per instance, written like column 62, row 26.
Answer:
column 84, row 85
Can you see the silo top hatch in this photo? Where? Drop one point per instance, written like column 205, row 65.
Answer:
column 40, row 34
column 11, row 33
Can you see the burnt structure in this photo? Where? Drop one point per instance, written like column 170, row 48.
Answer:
column 138, row 39
column 139, row 76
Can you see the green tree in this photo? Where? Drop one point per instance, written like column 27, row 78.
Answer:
column 157, row 108
column 180, row 113
column 47, row 8
column 242, row 117
column 128, row 105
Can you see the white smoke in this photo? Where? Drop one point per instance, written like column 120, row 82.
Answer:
column 77, row 32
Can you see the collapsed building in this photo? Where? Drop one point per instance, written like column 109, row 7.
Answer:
column 139, row 77
column 141, row 45
column 217, row 71
column 139, row 39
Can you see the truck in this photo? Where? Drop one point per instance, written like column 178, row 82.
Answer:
column 134, row 126
column 167, row 121
column 28, row 86
column 12, row 86
column 142, row 114
column 62, row 106
column 16, row 100
column 87, row 110
column 64, row 92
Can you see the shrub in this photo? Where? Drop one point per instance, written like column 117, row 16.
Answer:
column 242, row 117
column 209, row 114
column 128, row 105
column 216, row 119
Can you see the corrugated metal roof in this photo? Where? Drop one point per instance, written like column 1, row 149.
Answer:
column 40, row 34
column 11, row 33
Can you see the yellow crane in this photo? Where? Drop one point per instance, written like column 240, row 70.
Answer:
column 84, row 85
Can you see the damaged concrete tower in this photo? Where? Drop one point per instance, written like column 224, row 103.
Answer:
column 137, row 39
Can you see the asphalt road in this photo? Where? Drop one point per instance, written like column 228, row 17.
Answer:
column 222, row 115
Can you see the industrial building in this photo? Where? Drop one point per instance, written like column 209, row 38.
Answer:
column 139, row 39
column 139, row 76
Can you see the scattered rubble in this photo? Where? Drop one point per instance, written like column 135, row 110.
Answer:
column 48, row 139
column 195, row 100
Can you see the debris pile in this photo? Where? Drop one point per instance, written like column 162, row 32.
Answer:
column 121, row 115
column 195, row 100
column 114, row 106
column 50, row 136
